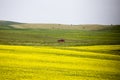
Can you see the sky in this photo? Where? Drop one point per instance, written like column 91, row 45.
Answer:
column 61, row 11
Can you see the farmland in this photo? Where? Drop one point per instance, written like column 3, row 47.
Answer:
column 48, row 37
column 59, row 63
column 31, row 52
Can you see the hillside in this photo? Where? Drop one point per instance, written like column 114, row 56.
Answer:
column 14, row 33
column 60, row 26
column 2, row 22
column 32, row 52
column 6, row 24
column 17, row 25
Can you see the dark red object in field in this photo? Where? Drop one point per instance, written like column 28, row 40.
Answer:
column 61, row 40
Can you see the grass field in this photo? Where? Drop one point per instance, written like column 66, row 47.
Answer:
column 48, row 36
column 31, row 52
column 60, row 63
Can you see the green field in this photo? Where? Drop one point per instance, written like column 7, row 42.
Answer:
column 42, row 37
column 90, row 52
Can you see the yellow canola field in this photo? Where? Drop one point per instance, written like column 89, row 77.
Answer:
column 59, row 63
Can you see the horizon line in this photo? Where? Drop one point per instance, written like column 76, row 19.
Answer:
column 60, row 23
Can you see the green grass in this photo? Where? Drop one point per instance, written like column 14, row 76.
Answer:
column 47, row 37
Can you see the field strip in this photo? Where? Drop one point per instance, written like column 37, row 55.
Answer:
column 60, row 62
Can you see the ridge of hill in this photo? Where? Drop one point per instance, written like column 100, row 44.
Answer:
column 6, row 24
column 16, row 25
column 3, row 22
column 59, row 26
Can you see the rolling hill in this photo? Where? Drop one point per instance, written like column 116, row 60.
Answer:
column 6, row 24
column 3, row 22
column 32, row 52
column 59, row 26
column 17, row 25
column 15, row 33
